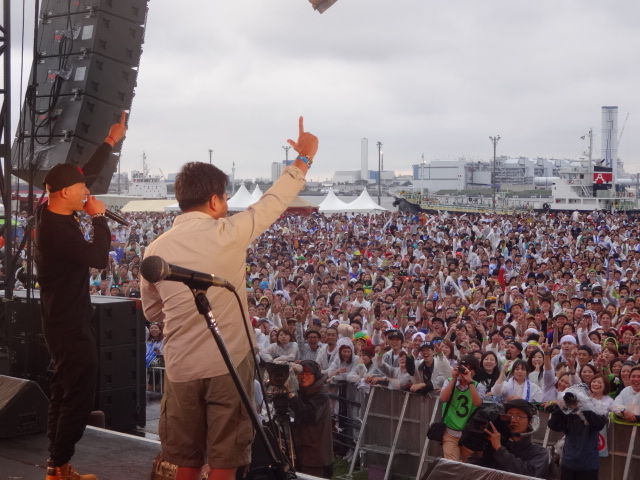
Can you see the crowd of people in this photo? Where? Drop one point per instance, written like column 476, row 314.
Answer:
column 473, row 308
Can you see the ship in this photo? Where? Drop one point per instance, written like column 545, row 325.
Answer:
column 589, row 184
column 584, row 185
column 143, row 184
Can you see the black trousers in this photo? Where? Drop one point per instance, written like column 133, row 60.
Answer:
column 75, row 358
column 566, row 474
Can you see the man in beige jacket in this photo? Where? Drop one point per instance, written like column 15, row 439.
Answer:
column 201, row 413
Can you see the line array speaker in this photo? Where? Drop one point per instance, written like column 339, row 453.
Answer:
column 89, row 52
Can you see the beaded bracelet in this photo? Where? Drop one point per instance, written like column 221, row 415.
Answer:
column 96, row 215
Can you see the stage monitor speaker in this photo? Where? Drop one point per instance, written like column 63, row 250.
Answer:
column 86, row 74
column 444, row 469
column 23, row 407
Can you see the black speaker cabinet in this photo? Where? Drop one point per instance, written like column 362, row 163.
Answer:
column 23, row 407
column 117, row 321
column 124, row 408
column 98, row 32
column 86, row 72
column 118, row 325
column 134, row 11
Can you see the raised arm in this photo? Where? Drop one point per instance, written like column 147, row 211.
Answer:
column 99, row 159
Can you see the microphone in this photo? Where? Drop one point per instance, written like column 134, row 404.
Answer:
column 155, row 269
column 107, row 213
column 116, row 218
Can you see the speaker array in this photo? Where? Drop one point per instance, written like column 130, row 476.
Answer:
column 89, row 52
column 118, row 324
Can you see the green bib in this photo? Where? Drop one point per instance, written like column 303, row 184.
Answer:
column 461, row 408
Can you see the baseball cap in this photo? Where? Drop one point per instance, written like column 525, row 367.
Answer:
column 64, row 175
column 394, row 334
column 518, row 345
column 521, row 404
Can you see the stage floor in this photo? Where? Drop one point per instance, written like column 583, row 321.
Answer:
column 110, row 455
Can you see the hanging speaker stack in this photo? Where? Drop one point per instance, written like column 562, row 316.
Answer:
column 87, row 66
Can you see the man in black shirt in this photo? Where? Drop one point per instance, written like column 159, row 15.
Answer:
column 517, row 453
column 63, row 258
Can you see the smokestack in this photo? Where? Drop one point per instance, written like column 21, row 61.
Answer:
column 364, row 159
column 610, row 138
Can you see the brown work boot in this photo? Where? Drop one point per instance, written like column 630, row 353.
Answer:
column 66, row 472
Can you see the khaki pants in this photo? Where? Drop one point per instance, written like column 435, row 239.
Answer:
column 207, row 418
column 451, row 449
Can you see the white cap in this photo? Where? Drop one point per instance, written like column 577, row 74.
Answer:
column 568, row 338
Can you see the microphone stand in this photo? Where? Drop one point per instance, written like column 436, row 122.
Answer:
column 279, row 467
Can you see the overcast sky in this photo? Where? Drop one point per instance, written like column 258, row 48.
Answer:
column 421, row 76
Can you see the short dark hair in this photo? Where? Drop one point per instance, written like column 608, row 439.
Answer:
column 197, row 182
column 471, row 362
column 311, row 331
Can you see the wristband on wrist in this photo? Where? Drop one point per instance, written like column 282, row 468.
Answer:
column 112, row 139
column 305, row 159
column 96, row 215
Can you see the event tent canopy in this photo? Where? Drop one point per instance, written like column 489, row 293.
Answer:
column 332, row 204
column 257, row 193
column 241, row 200
column 365, row 204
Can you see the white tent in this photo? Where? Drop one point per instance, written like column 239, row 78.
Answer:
column 172, row 208
column 332, row 204
column 257, row 193
column 241, row 200
column 365, row 204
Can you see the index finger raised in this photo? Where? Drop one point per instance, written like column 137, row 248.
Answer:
column 123, row 117
column 301, row 125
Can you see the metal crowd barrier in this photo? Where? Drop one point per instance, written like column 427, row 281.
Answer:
column 348, row 401
column 390, row 429
column 155, row 379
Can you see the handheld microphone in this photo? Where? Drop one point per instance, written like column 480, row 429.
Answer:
column 116, row 218
column 107, row 213
column 155, row 269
